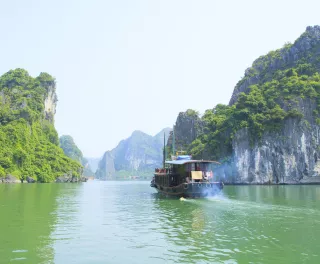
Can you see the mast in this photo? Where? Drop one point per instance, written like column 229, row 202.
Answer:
column 164, row 150
column 173, row 143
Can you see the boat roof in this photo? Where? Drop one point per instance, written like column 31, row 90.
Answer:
column 185, row 161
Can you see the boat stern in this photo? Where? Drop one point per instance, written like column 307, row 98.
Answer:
column 202, row 189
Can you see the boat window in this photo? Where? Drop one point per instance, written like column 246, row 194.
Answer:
column 204, row 166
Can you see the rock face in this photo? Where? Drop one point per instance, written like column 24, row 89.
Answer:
column 187, row 128
column 30, row 180
column 93, row 163
column 287, row 151
column 286, row 57
column 136, row 155
column 288, row 156
column 9, row 179
column 106, row 169
column 69, row 178
column 50, row 102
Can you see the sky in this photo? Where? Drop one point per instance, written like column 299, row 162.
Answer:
column 130, row 65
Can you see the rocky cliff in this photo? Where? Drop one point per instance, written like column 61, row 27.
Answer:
column 93, row 163
column 289, row 155
column 187, row 128
column 269, row 132
column 137, row 155
column 28, row 139
column 50, row 101
column 73, row 152
column 106, row 167
column 263, row 69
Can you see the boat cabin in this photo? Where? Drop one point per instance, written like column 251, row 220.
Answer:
column 184, row 170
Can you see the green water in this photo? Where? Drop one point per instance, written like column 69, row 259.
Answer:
column 127, row 222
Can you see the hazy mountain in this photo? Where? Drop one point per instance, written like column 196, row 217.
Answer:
column 73, row 152
column 137, row 155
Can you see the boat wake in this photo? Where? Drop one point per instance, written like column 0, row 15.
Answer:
column 244, row 206
column 215, row 198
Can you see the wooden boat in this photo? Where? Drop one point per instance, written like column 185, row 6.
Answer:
column 184, row 177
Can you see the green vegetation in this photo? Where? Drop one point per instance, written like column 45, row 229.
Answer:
column 73, row 152
column 192, row 113
column 29, row 142
column 262, row 109
column 70, row 148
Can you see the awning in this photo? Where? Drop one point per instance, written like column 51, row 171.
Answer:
column 181, row 162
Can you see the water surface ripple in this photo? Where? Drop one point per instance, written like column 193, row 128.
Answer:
column 127, row 222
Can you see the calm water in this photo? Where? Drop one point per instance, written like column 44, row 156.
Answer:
column 126, row 222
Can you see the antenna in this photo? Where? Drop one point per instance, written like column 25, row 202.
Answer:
column 164, row 149
column 173, row 142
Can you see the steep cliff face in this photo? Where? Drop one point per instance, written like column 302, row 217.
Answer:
column 106, row 169
column 290, row 155
column 290, row 55
column 187, row 128
column 50, row 102
column 135, row 156
column 93, row 163
column 269, row 132
column 28, row 139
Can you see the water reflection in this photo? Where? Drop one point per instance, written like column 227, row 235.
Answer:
column 29, row 216
column 125, row 222
column 299, row 196
column 27, row 219
column 186, row 225
column 249, row 224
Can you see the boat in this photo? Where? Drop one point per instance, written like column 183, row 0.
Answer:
column 185, row 177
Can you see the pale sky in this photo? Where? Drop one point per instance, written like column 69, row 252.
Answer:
column 126, row 65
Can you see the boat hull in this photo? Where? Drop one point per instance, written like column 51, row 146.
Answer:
column 191, row 190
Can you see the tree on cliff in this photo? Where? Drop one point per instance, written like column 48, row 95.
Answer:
column 29, row 142
column 73, row 152
column 270, row 98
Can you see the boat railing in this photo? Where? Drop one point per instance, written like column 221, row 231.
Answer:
column 160, row 170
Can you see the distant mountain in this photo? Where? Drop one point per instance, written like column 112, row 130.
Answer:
column 137, row 155
column 159, row 137
column 93, row 163
column 72, row 151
